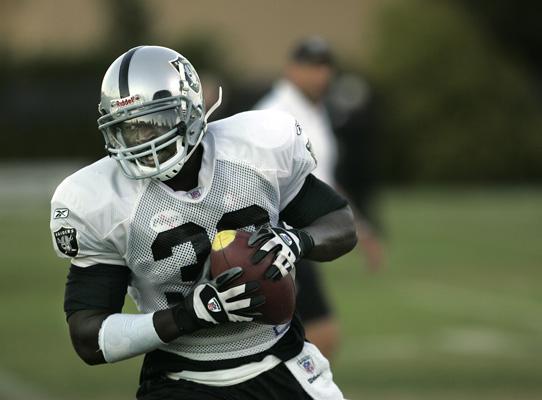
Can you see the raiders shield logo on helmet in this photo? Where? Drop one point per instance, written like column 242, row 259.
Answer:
column 66, row 241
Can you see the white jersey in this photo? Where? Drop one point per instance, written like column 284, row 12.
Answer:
column 314, row 119
column 253, row 165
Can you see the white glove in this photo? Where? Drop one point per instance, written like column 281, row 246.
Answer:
column 289, row 245
column 211, row 303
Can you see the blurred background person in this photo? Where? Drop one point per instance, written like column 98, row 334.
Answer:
column 301, row 92
column 351, row 107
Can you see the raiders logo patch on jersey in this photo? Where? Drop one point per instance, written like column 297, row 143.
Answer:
column 66, row 241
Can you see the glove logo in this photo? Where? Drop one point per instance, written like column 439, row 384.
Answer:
column 213, row 305
column 61, row 213
column 286, row 238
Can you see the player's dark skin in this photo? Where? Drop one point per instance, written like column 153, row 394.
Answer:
column 334, row 234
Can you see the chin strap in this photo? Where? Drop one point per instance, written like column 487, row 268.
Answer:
column 214, row 106
column 207, row 115
column 165, row 177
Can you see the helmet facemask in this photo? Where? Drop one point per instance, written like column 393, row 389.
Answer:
column 153, row 139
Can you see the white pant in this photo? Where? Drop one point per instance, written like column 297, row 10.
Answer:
column 311, row 370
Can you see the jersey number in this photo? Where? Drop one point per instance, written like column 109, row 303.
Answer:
column 196, row 235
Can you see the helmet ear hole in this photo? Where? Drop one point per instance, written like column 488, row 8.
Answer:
column 161, row 94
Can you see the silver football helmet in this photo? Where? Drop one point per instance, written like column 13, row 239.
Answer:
column 153, row 114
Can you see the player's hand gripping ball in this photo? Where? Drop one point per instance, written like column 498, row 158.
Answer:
column 230, row 249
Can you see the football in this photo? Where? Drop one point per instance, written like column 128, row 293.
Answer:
column 230, row 249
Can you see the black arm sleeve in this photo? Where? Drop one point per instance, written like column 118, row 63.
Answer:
column 314, row 200
column 96, row 287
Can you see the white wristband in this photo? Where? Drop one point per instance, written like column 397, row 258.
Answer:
column 127, row 335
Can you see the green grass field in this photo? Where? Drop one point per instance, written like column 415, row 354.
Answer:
column 456, row 314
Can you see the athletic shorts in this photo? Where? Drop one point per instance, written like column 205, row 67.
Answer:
column 312, row 302
column 275, row 384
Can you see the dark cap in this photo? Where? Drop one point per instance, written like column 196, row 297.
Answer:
column 312, row 50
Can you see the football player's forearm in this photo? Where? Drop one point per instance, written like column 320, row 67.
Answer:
column 334, row 234
column 84, row 326
column 99, row 337
column 175, row 322
column 165, row 326
column 123, row 336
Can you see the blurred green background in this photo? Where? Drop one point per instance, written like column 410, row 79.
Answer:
column 455, row 109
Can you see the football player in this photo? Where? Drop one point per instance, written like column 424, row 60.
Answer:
column 142, row 220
